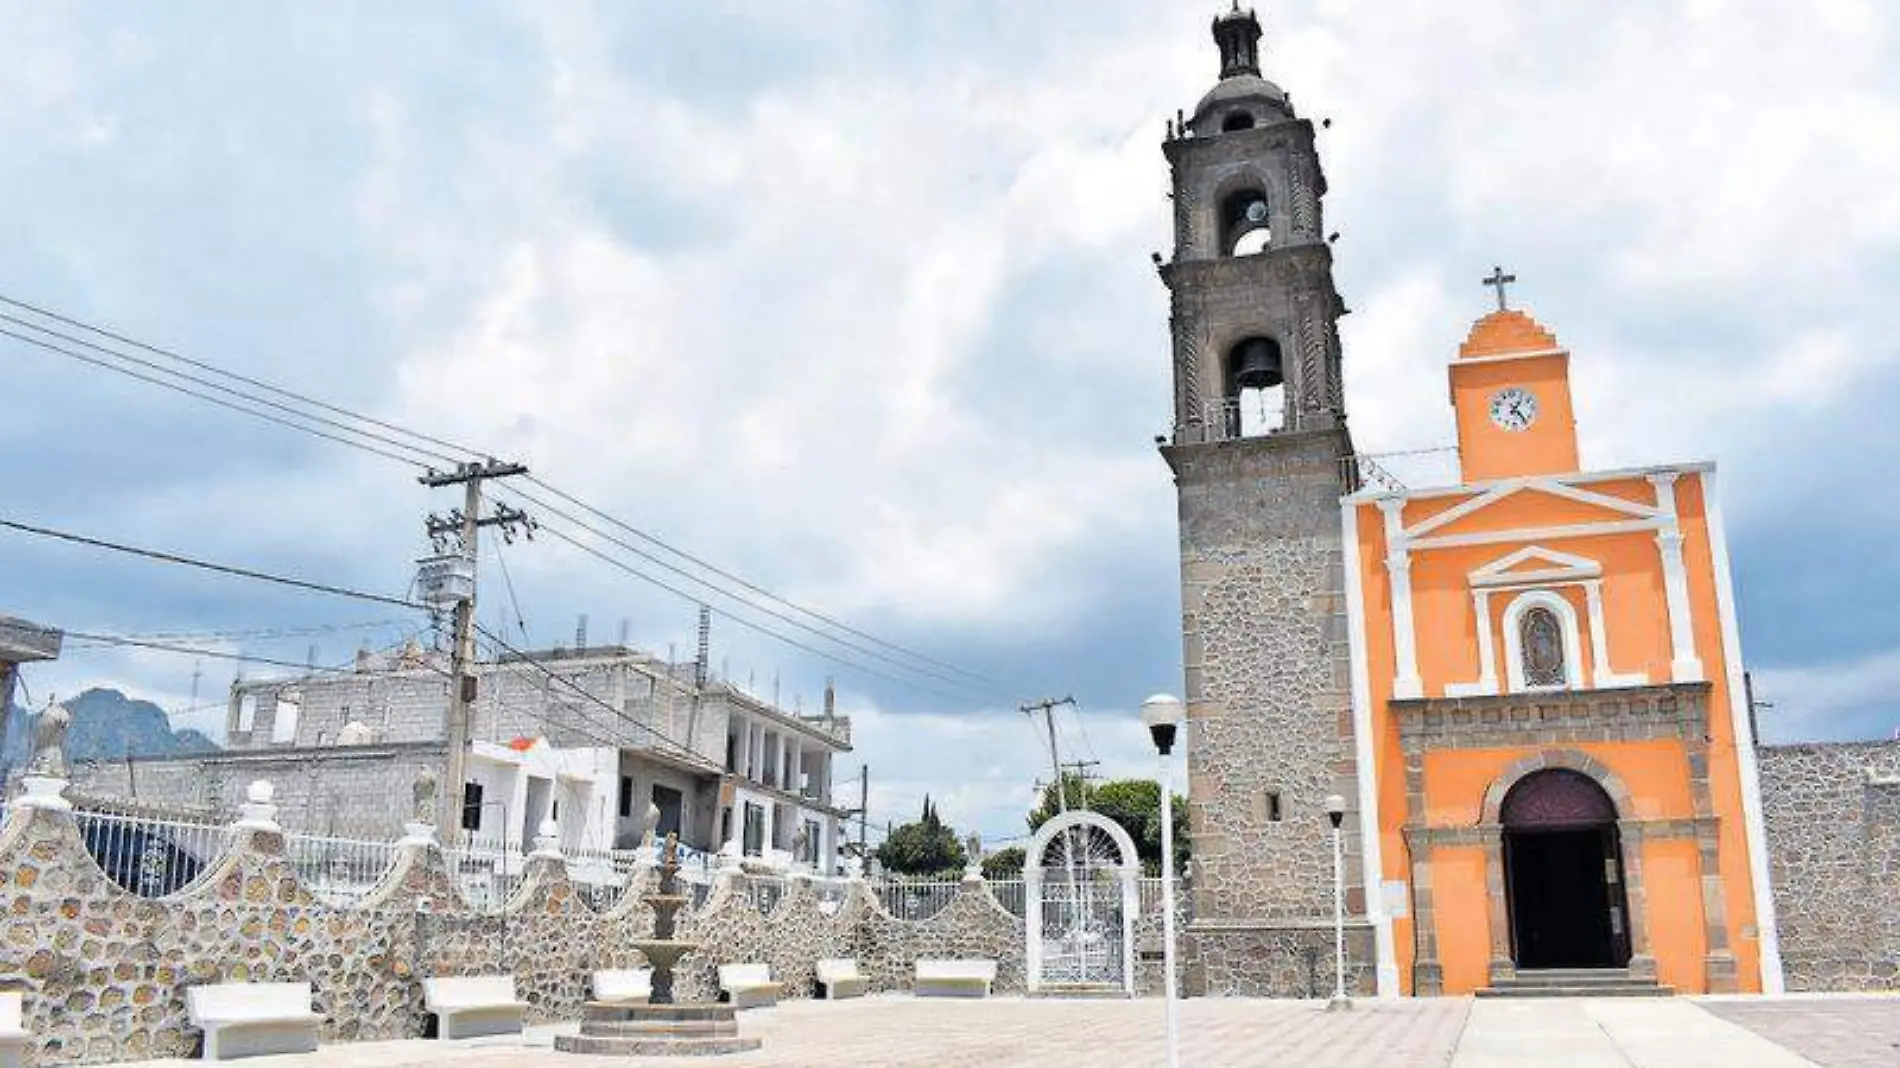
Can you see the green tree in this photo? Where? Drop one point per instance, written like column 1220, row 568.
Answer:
column 1004, row 864
column 926, row 847
column 1133, row 803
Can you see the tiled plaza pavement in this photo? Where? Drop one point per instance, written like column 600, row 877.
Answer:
column 900, row 1032
column 1834, row 1032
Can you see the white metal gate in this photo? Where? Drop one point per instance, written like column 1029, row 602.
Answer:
column 1080, row 889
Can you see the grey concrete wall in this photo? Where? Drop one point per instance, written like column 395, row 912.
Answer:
column 1833, row 816
column 320, row 792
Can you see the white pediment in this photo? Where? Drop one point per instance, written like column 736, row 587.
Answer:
column 1536, row 565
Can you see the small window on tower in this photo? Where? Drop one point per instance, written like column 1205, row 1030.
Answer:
column 1237, row 120
column 1273, row 806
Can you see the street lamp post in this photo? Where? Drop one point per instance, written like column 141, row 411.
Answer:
column 1336, row 813
column 1162, row 716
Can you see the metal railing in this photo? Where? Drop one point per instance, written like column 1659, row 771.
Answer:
column 148, row 856
column 339, row 871
column 1010, row 894
column 915, row 899
column 764, row 891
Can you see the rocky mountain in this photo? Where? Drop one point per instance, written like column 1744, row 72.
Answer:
column 107, row 725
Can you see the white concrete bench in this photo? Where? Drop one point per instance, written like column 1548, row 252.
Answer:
column 624, row 986
column 12, row 1035
column 954, row 978
column 747, row 986
column 251, row 1019
column 840, row 978
column 466, row 1006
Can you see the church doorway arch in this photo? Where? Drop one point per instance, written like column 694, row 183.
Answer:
column 1563, row 873
column 1079, row 883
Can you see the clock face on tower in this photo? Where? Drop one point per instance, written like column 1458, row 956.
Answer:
column 1514, row 408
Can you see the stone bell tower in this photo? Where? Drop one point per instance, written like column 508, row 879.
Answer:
column 1260, row 456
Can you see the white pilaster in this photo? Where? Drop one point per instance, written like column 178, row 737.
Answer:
column 1398, row 566
column 1373, row 876
column 1601, row 676
column 1684, row 665
column 1487, row 684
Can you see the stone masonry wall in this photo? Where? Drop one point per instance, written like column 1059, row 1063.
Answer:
column 104, row 972
column 1269, row 704
column 1833, row 816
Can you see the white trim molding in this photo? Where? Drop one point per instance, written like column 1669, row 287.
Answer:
column 1566, row 614
column 1398, row 564
column 1487, row 684
column 1754, row 827
column 1684, row 665
column 1364, row 751
column 1559, row 567
column 1601, row 677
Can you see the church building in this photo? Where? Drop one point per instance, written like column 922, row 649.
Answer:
column 1546, row 660
column 1527, row 687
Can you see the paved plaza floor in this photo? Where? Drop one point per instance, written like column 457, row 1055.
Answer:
column 901, row 1032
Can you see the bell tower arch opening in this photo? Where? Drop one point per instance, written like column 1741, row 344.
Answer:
column 1563, row 873
column 1245, row 223
column 1255, row 402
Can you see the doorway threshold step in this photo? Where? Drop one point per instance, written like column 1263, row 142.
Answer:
column 1080, row 990
column 1575, row 983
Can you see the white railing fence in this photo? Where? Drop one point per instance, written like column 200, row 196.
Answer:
column 915, row 899
column 148, row 856
column 339, row 870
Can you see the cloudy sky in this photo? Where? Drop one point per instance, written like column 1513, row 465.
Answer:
column 854, row 299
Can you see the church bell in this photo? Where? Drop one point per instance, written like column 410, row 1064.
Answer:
column 1257, row 365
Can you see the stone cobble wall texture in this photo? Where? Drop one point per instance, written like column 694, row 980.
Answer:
column 1833, row 816
column 1269, row 703
column 104, row 972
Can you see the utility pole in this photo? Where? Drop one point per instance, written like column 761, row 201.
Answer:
column 1047, row 706
column 1080, row 770
column 465, row 526
column 864, row 808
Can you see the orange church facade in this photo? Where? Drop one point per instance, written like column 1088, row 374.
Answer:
column 1548, row 689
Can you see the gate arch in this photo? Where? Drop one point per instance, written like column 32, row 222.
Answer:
column 1081, row 896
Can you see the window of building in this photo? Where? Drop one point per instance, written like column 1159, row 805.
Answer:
column 754, row 843
column 1273, row 806
column 1237, row 120
column 1541, row 640
column 672, row 806
column 626, row 796
column 472, row 806
column 283, row 724
column 247, row 712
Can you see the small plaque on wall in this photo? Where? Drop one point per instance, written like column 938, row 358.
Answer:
column 1392, row 894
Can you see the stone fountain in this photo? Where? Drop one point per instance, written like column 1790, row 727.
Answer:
column 661, row 1027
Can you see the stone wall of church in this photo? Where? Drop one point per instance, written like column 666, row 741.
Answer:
column 104, row 972
column 1269, row 705
column 1833, row 816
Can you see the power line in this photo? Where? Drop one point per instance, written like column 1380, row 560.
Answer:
column 206, row 565
column 749, row 624
column 214, row 369
column 207, row 397
column 118, row 639
column 420, row 450
column 744, row 584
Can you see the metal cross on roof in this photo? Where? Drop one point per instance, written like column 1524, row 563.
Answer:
column 1499, row 280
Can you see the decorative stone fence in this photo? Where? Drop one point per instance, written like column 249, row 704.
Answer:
column 104, row 971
